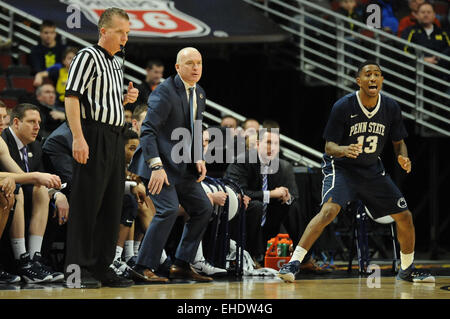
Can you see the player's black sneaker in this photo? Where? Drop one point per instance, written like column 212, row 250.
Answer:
column 56, row 275
column 30, row 271
column 414, row 275
column 289, row 270
column 7, row 278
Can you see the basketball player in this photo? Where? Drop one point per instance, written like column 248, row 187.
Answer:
column 359, row 125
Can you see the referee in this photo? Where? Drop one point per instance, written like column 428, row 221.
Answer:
column 94, row 106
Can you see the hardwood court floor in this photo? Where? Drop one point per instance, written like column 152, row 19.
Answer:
column 248, row 288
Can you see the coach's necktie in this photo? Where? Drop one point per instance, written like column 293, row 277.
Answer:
column 191, row 108
column 264, row 188
column 25, row 157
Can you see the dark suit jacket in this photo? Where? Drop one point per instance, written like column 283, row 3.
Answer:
column 248, row 176
column 34, row 153
column 34, row 163
column 57, row 155
column 168, row 110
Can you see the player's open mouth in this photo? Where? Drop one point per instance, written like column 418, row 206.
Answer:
column 373, row 88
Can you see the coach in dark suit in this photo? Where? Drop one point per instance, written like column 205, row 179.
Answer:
column 31, row 147
column 20, row 137
column 270, row 183
column 174, row 179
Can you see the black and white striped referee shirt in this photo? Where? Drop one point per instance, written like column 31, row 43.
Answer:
column 96, row 78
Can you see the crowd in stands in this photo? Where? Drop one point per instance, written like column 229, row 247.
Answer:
column 36, row 145
column 425, row 23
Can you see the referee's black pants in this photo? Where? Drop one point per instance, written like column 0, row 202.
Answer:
column 96, row 199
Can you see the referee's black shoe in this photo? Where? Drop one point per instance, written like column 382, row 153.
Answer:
column 110, row 279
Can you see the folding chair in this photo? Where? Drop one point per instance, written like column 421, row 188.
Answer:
column 210, row 186
column 388, row 220
column 219, row 237
column 236, row 207
column 360, row 237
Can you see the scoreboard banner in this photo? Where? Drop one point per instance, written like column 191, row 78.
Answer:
column 162, row 20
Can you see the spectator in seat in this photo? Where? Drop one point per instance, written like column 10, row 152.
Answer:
column 411, row 19
column 271, row 187
column 154, row 74
column 128, row 113
column 251, row 128
column 138, row 117
column 389, row 21
column 57, row 73
column 52, row 112
column 231, row 122
column 426, row 33
column 348, row 8
column 49, row 51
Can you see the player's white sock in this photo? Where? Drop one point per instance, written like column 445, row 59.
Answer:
column 406, row 260
column 299, row 254
column 128, row 249
column 34, row 244
column 118, row 252
column 18, row 247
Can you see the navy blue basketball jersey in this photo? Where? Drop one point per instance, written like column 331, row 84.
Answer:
column 351, row 123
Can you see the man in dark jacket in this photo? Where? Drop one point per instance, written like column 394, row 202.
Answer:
column 270, row 183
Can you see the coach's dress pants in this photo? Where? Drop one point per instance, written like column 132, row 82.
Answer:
column 256, row 235
column 96, row 199
column 191, row 196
